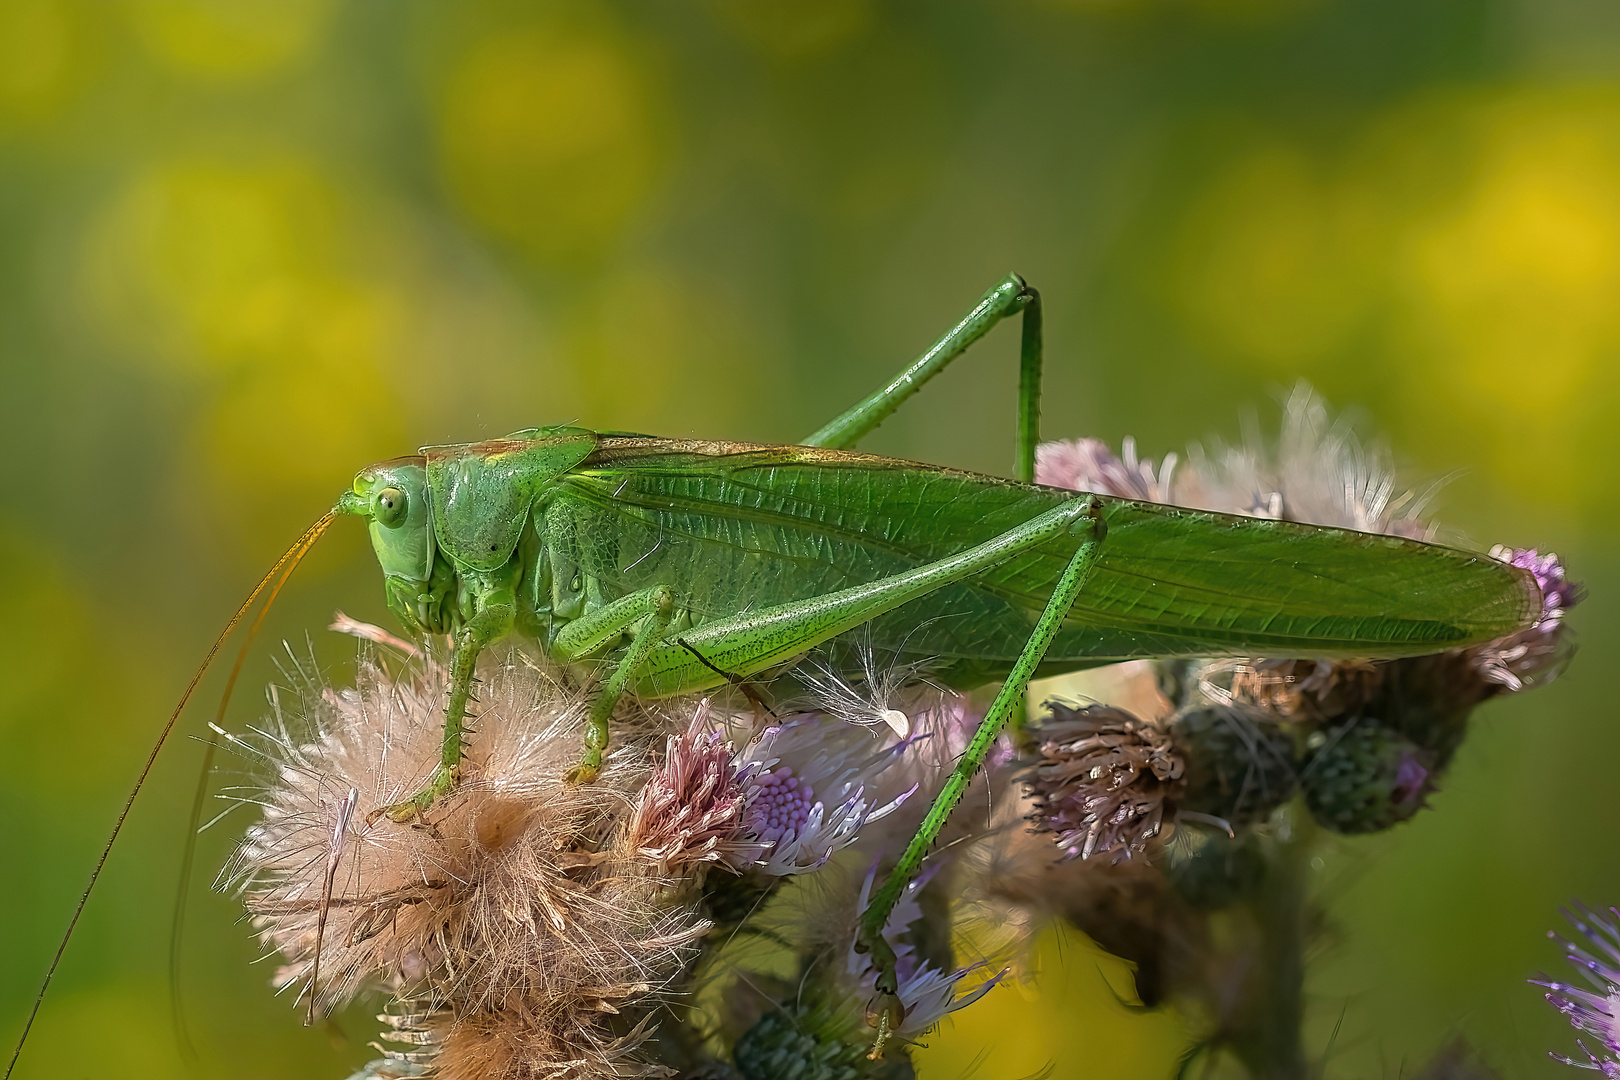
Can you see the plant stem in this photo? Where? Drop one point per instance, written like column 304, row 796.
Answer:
column 1267, row 1038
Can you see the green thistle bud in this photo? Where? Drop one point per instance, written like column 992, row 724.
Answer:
column 815, row 1042
column 1363, row 777
column 1240, row 766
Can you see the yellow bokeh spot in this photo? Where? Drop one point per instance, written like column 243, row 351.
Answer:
column 548, row 141
column 228, row 40
column 44, row 59
column 1526, row 270
column 263, row 283
column 1268, row 264
column 210, row 265
column 1470, row 246
column 1069, row 1015
column 1513, row 286
column 284, row 441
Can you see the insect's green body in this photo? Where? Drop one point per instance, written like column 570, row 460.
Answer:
column 559, row 524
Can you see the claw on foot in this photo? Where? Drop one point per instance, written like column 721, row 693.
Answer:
column 583, row 773
column 589, row 767
column 442, row 782
column 885, row 1012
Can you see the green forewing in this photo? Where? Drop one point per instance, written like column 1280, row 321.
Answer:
column 737, row 526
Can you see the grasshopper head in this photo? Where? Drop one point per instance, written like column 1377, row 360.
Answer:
column 393, row 497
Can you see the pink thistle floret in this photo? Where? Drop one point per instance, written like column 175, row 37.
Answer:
column 692, row 810
column 1088, row 465
column 1537, row 654
column 1411, row 781
column 1558, row 593
column 1596, row 1013
column 1319, row 473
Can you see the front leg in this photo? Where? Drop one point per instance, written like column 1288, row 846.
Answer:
column 492, row 620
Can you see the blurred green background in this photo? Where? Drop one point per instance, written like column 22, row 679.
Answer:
column 247, row 246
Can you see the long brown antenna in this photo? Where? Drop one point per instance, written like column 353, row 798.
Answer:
column 291, row 559
column 295, row 553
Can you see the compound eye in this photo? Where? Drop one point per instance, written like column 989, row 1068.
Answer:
column 388, row 507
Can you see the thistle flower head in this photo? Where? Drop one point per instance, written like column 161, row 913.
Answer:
column 522, row 902
column 1101, row 781
column 1558, row 593
column 1310, row 690
column 1535, row 655
column 1595, row 1011
column 514, row 1045
column 816, row 1026
column 1088, row 465
column 1364, row 776
column 809, row 785
column 813, row 1037
column 1239, row 764
column 1319, row 472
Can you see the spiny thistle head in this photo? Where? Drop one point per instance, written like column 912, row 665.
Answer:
column 810, row 786
column 1303, row 691
column 1101, row 781
column 509, row 1044
column 1363, row 777
column 814, row 1039
column 1538, row 654
column 521, row 900
column 1239, row 763
column 1594, row 1009
column 822, row 1025
column 530, row 927
column 1319, row 472
column 692, row 809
